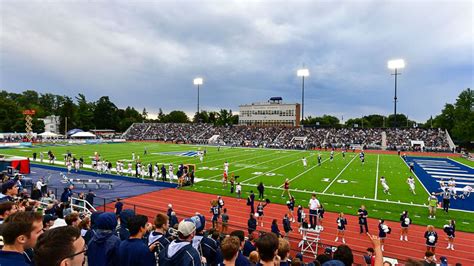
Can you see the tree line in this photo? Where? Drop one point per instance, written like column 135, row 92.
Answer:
column 457, row 118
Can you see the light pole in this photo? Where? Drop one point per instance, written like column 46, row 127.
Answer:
column 396, row 64
column 198, row 82
column 304, row 72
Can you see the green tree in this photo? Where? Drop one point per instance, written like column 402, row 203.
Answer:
column 67, row 110
column 105, row 114
column 177, row 117
column 85, row 113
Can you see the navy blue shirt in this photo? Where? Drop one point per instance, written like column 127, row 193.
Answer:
column 134, row 251
column 118, row 207
column 12, row 258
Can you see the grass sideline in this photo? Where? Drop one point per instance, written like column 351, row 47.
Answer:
column 347, row 178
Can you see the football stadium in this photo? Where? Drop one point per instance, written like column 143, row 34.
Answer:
column 280, row 180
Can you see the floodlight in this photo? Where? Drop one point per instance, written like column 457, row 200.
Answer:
column 304, row 72
column 396, row 64
column 198, row 81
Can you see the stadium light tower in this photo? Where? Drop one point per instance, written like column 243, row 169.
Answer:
column 396, row 64
column 198, row 82
column 304, row 72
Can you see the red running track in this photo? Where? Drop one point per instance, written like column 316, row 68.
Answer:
column 186, row 203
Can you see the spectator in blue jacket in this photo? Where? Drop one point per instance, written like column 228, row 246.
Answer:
column 103, row 249
column 252, row 224
column 134, row 251
column 124, row 217
column 275, row 228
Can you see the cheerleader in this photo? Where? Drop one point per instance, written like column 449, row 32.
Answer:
column 260, row 207
column 383, row 231
column 431, row 238
column 450, row 230
column 341, row 227
column 291, row 207
column 405, row 223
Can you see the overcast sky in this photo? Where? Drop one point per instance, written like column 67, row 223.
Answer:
column 146, row 53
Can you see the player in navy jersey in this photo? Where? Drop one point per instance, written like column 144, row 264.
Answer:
column 405, row 222
column 341, row 227
column 331, row 156
column 215, row 211
column 450, row 230
column 362, row 157
column 431, row 239
column 319, row 159
column 343, row 153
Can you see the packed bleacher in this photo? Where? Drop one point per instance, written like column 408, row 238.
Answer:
column 292, row 138
column 434, row 139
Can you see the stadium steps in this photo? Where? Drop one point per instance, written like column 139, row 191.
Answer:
column 384, row 140
column 450, row 141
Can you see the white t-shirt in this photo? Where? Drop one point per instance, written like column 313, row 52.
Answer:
column 313, row 204
column 39, row 184
column 238, row 188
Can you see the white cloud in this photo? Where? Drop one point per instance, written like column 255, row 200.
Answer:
column 145, row 54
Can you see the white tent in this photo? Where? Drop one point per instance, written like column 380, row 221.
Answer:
column 48, row 134
column 83, row 135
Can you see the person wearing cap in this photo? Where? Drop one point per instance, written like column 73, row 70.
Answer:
column 9, row 190
column 180, row 251
column 432, row 204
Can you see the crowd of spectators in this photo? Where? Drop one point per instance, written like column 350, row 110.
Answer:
column 434, row 139
column 291, row 138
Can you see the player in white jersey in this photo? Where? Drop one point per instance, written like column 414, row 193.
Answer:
column 386, row 188
column 69, row 166
column 411, row 184
column 77, row 165
column 155, row 172
column 331, row 157
column 118, row 168
column 129, row 170
column 201, row 156
column 466, row 192
column 99, row 167
column 170, row 169
column 133, row 156
column 304, row 162
column 226, row 167
column 452, row 187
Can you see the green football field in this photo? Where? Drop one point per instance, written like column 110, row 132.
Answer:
column 342, row 184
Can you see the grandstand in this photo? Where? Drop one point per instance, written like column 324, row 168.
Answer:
column 406, row 139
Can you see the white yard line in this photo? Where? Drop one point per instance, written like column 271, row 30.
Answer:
column 377, row 177
column 305, row 171
column 223, row 159
column 459, row 163
column 285, row 165
column 254, row 164
column 340, row 173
